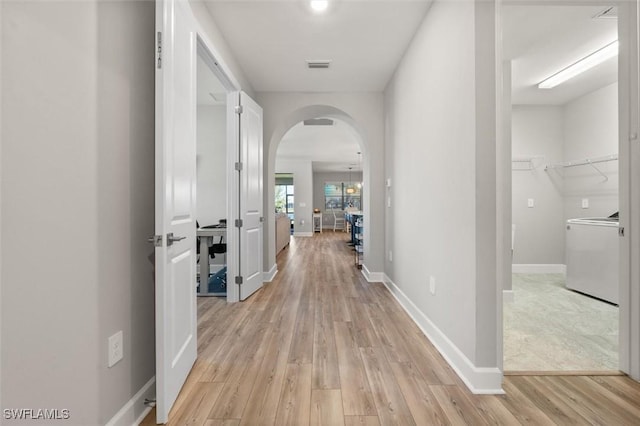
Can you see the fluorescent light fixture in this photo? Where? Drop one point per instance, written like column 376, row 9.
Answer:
column 319, row 5
column 588, row 62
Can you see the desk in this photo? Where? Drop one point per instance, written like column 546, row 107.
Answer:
column 207, row 236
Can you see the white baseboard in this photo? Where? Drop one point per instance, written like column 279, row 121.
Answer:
column 508, row 296
column 539, row 268
column 372, row 277
column 134, row 411
column 268, row 276
column 479, row 380
column 302, row 234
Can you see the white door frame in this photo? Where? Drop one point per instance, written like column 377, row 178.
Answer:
column 207, row 52
column 629, row 163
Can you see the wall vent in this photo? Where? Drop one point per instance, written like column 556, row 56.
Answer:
column 318, row 122
column 318, row 64
column 610, row 12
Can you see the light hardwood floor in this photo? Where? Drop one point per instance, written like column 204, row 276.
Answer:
column 321, row 346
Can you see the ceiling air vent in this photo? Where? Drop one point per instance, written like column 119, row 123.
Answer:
column 318, row 122
column 318, row 64
column 610, row 12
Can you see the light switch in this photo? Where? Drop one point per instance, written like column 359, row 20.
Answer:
column 585, row 203
column 530, row 202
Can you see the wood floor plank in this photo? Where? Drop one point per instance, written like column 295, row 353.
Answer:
column 390, row 403
column 326, row 373
column 623, row 387
column 301, row 351
column 262, row 406
column 326, row 408
column 219, row 422
column 201, row 398
column 556, row 409
column 522, row 407
column 421, row 402
column 361, row 421
column 493, row 411
column 357, row 398
column 387, row 335
column 236, row 392
column 457, row 406
column 604, row 406
column 362, row 327
column 295, row 401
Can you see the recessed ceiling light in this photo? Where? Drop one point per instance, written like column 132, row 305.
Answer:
column 319, row 5
column 588, row 62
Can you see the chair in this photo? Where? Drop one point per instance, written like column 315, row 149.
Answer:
column 338, row 221
column 215, row 248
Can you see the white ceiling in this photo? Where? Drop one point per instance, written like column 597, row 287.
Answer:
column 365, row 39
column 542, row 40
column 329, row 148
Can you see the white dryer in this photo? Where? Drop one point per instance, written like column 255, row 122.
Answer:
column 592, row 257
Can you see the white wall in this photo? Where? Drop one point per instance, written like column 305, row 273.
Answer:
column 540, row 233
column 222, row 52
column 363, row 111
column 303, row 193
column 591, row 130
column 586, row 127
column 440, row 155
column 211, row 163
column 77, row 202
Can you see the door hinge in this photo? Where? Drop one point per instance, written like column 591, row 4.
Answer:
column 621, row 231
column 156, row 240
column 239, row 280
column 238, row 109
column 261, row 219
column 239, row 223
column 238, row 167
column 159, row 49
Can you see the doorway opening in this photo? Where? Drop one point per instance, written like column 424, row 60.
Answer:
column 212, row 180
column 563, row 314
column 285, row 201
column 324, row 158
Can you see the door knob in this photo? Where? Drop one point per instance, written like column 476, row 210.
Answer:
column 171, row 239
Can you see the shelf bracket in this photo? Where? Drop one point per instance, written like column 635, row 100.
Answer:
column 606, row 178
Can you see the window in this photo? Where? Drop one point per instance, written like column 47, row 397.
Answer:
column 340, row 195
column 284, row 195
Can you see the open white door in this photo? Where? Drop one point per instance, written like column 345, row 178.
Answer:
column 176, row 315
column 250, row 185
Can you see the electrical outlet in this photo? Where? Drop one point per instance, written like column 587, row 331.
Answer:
column 432, row 285
column 585, row 203
column 116, row 351
column 390, row 256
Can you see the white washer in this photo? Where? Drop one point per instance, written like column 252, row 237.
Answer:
column 592, row 257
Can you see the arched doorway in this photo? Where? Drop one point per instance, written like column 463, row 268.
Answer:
column 274, row 139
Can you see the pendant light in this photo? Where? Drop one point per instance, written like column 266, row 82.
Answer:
column 350, row 190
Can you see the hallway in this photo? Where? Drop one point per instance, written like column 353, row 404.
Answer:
column 320, row 345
